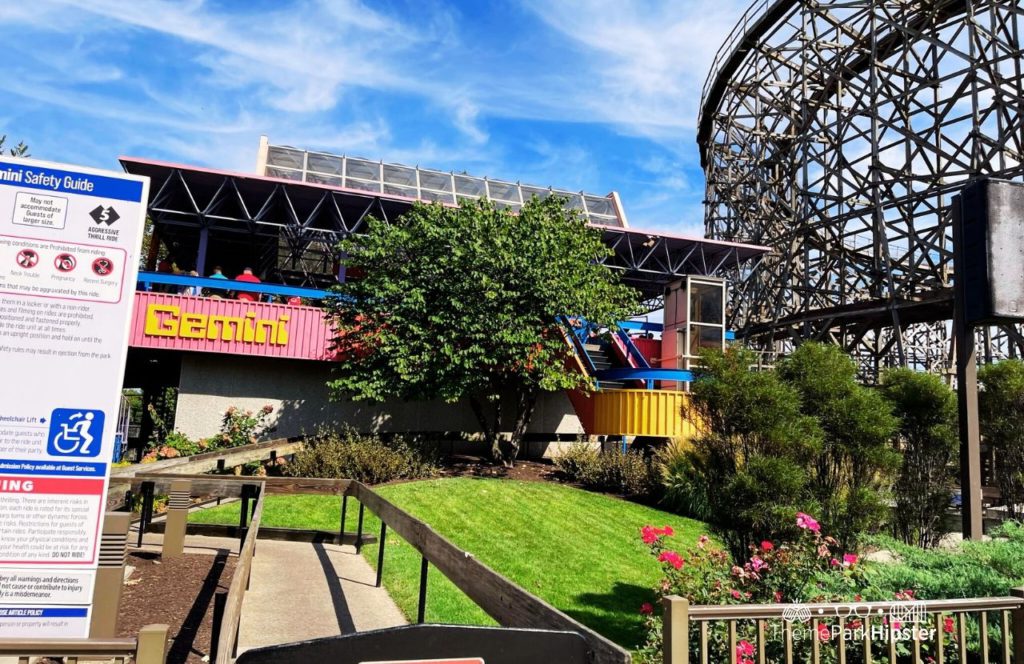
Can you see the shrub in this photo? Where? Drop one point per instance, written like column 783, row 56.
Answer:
column 753, row 459
column 1001, row 402
column 926, row 409
column 629, row 474
column 368, row 459
column 680, row 471
column 857, row 462
column 243, row 427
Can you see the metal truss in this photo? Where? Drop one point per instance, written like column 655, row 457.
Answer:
column 837, row 132
column 296, row 226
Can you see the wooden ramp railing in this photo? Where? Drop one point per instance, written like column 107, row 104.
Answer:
column 150, row 647
column 507, row 603
column 976, row 631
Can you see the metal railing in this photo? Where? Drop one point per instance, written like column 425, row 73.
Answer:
column 981, row 630
column 504, row 601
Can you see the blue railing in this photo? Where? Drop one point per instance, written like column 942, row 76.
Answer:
column 147, row 279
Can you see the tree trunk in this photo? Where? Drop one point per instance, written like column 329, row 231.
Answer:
column 491, row 429
column 526, row 400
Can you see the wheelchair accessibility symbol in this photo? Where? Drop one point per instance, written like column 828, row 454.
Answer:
column 75, row 432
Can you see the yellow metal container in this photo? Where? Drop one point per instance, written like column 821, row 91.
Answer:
column 642, row 413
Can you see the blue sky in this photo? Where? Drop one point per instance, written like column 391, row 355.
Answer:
column 594, row 95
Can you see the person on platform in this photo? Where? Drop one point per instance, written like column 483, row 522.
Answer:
column 218, row 273
column 192, row 291
column 248, row 277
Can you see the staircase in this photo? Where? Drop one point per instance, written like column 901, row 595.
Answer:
column 599, row 356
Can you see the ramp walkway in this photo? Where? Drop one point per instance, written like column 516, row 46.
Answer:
column 299, row 590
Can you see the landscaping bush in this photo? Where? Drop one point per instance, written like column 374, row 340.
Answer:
column 369, row 459
column 926, row 409
column 243, row 427
column 680, row 472
column 754, row 457
column 1001, row 405
column 628, row 474
column 851, row 475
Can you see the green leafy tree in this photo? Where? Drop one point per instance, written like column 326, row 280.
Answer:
column 752, row 459
column 1001, row 406
column 926, row 410
column 461, row 304
column 857, row 461
column 19, row 150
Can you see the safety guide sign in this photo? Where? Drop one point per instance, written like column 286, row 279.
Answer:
column 69, row 248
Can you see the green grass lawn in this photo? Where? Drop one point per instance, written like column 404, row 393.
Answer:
column 579, row 551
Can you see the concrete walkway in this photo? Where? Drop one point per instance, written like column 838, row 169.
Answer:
column 297, row 590
column 305, row 591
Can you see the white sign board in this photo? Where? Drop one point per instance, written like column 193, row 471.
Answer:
column 69, row 249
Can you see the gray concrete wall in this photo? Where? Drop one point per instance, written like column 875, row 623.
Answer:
column 297, row 390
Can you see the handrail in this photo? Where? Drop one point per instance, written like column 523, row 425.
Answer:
column 147, row 279
column 232, row 616
column 509, row 604
column 148, row 647
column 708, row 612
column 122, row 647
column 728, row 47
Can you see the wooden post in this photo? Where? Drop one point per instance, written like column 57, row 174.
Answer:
column 359, row 529
column 676, row 630
column 178, row 502
column 106, row 593
column 966, row 391
column 152, row 648
column 1018, row 628
column 146, row 510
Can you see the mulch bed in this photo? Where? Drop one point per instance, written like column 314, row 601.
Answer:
column 179, row 593
column 459, row 465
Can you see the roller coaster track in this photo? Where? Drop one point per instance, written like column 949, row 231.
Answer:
column 836, row 132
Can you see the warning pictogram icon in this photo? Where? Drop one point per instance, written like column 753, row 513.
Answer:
column 65, row 262
column 103, row 266
column 27, row 258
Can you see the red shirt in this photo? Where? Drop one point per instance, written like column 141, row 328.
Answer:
column 251, row 279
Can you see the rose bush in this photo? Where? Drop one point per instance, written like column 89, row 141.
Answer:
column 238, row 427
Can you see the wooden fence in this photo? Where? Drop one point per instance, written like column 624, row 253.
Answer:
column 507, row 603
column 977, row 630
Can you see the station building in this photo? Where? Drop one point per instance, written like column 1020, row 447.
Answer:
column 271, row 345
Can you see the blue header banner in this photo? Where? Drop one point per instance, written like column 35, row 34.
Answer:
column 38, row 612
column 25, row 176
column 43, row 467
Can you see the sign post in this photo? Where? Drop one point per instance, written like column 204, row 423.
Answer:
column 69, row 249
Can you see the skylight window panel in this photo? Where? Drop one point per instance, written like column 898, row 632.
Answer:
column 599, row 205
column 469, row 186
column 323, row 163
column 436, row 181
column 401, row 175
column 334, row 181
column 530, row 192
column 352, row 183
column 428, row 195
column 285, row 173
column 287, row 157
column 503, row 191
column 395, row 190
column 364, row 170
